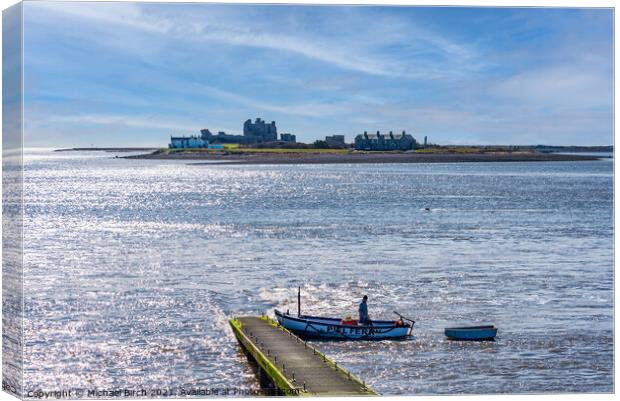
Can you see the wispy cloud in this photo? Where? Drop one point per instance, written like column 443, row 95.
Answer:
column 567, row 86
column 354, row 51
column 304, row 109
column 124, row 120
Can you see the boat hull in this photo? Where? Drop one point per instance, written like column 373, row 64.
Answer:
column 477, row 333
column 311, row 327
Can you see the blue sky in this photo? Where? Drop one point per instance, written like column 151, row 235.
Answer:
column 132, row 74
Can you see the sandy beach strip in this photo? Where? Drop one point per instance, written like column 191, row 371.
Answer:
column 212, row 158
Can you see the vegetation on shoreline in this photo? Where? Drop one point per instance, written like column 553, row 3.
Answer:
column 463, row 149
column 472, row 149
column 238, row 150
column 234, row 149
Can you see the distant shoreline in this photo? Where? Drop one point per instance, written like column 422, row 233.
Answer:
column 106, row 150
column 221, row 158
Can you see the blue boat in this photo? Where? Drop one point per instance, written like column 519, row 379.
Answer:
column 325, row 328
column 474, row 333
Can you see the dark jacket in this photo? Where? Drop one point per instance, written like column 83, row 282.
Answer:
column 363, row 312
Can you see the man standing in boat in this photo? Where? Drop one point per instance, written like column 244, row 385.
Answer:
column 364, row 319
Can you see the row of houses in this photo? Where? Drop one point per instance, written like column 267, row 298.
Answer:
column 389, row 141
column 378, row 141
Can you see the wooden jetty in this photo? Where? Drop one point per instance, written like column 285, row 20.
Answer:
column 291, row 366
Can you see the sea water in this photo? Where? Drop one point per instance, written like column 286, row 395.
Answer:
column 133, row 268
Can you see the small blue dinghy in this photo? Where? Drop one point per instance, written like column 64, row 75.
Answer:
column 474, row 333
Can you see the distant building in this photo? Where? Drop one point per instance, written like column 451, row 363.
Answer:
column 253, row 132
column 260, row 131
column 286, row 137
column 183, row 142
column 223, row 137
column 335, row 141
column 389, row 141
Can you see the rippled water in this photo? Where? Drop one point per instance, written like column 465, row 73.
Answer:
column 133, row 268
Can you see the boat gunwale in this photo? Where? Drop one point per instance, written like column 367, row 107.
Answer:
column 472, row 328
column 305, row 318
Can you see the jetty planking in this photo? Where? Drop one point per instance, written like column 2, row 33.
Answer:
column 291, row 365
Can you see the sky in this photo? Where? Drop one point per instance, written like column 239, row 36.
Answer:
column 133, row 74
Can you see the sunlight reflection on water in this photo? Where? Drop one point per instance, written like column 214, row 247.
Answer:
column 133, row 268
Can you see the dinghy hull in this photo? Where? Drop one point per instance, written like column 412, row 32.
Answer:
column 311, row 327
column 476, row 333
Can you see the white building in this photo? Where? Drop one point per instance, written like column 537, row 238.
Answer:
column 182, row 142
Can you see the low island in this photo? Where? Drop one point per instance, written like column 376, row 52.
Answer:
column 261, row 143
column 241, row 155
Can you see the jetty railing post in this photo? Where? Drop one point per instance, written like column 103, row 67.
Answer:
column 298, row 301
